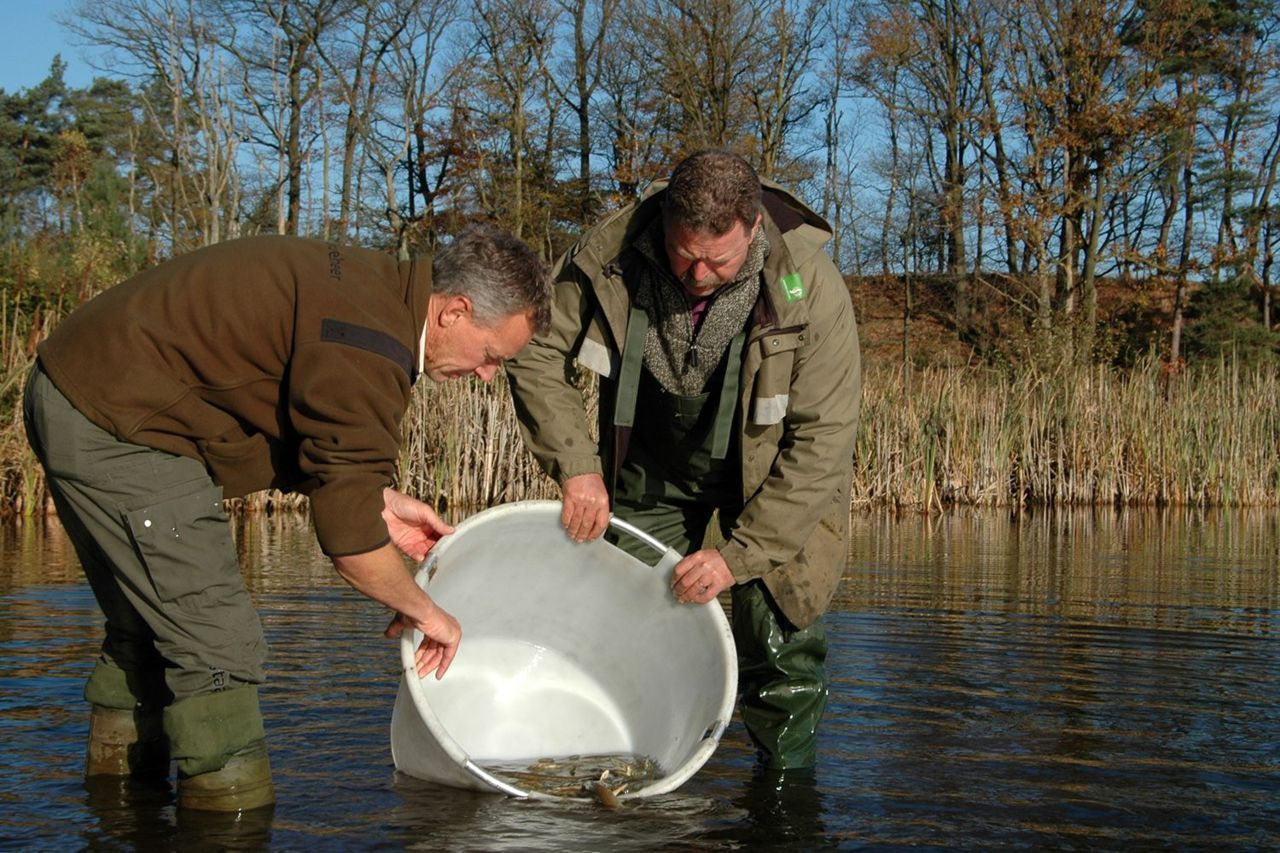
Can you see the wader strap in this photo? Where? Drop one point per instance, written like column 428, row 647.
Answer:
column 728, row 397
column 624, row 404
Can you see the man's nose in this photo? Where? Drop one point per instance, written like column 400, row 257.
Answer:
column 487, row 371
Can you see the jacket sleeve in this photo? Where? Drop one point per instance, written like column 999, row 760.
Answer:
column 346, row 405
column 814, row 459
column 544, row 385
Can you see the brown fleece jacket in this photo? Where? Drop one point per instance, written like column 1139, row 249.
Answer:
column 279, row 362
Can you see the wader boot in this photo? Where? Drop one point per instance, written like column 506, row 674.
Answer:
column 781, row 678
column 218, row 742
column 126, row 732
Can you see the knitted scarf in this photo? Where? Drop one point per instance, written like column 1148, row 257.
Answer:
column 680, row 359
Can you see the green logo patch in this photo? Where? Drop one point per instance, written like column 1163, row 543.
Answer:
column 793, row 287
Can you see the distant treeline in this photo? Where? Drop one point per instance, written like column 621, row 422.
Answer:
column 1021, row 149
column 1006, row 157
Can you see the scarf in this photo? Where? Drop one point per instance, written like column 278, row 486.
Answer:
column 680, row 358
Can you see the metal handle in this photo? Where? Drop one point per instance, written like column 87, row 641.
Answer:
column 670, row 556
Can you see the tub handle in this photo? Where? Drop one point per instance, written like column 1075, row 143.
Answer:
column 670, row 556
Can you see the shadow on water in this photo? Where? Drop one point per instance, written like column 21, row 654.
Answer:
column 1099, row 680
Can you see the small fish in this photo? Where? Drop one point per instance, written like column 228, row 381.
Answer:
column 603, row 778
column 606, row 795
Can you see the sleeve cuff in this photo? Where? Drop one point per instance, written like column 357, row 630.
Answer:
column 577, row 466
column 735, row 557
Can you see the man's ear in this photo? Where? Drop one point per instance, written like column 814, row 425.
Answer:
column 455, row 308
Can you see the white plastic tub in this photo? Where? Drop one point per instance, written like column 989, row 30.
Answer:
column 567, row 649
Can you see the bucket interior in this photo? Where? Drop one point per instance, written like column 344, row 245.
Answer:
column 515, row 701
column 568, row 649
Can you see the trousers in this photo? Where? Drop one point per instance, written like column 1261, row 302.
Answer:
column 149, row 528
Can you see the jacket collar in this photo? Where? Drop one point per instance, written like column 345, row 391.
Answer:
column 416, row 286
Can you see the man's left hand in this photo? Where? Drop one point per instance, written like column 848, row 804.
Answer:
column 414, row 526
column 700, row 577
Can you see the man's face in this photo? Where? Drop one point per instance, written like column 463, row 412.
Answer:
column 458, row 346
column 703, row 261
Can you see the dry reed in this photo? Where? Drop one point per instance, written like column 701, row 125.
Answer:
column 930, row 438
column 463, row 448
column 1072, row 436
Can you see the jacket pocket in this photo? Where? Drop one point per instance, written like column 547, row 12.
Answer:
column 243, row 463
column 771, row 388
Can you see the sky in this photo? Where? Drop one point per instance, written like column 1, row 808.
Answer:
column 29, row 37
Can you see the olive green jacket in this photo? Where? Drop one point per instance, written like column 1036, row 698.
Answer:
column 797, row 414
column 277, row 361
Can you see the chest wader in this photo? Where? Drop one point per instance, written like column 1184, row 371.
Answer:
column 676, row 474
column 183, row 655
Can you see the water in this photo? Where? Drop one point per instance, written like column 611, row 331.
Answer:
column 1084, row 680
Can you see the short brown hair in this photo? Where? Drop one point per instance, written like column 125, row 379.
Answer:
column 711, row 191
column 499, row 274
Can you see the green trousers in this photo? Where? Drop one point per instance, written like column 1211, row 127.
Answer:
column 182, row 636
column 782, row 681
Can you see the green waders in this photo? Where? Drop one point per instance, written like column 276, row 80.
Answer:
column 676, row 475
column 183, row 653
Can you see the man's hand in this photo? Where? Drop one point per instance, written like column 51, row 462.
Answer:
column 586, row 507
column 440, row 637
column 700, row 577
column 381, row 575
column 414, row 526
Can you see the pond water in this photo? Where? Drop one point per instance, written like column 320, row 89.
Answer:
column 1096, row 679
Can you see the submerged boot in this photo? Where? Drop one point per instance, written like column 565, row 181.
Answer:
column 244, row 783
column 781, row 678
column 218, row 742
column 126, row 730
column 126, row 742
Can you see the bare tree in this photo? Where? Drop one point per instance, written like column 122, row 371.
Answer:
column 356, row 57
column 169, row 50
column 926, row 48
column 781, row 90
column 275, row 43
column 704, row 52
column 592, row 23
column 513, row 42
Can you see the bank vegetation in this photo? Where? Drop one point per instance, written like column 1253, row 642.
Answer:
column 930, row 438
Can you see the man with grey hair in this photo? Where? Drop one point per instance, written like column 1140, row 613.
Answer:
column 266, row 362
column 730, row 382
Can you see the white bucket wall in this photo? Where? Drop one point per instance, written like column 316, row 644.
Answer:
column 566, row 649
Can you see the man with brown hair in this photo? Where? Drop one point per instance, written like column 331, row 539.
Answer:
column 730, row 381
column 267, row 362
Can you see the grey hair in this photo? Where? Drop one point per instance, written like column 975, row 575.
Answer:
column 497, row 272
column 711, row 191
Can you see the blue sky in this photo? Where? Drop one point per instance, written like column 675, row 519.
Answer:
column 29, row 37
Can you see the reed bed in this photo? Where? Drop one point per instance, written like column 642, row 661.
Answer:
column 21, row 480
column 463, row 448
column 930, row 438
column 1075, row 435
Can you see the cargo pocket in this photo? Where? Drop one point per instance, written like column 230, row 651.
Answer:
column 185, row 544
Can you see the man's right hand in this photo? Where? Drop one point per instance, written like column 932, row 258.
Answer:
column 440, row 637
column 381, row 575
column 586, row 507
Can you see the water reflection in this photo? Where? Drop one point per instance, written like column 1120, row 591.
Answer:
column 1209, row 570
column 1086, row 679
